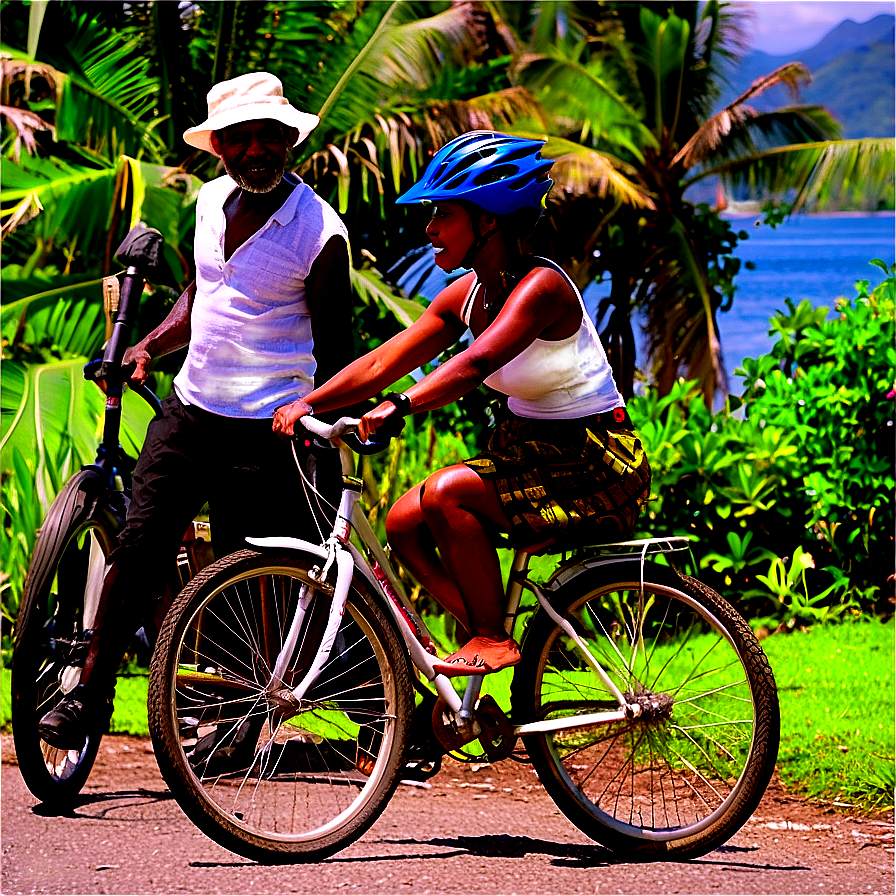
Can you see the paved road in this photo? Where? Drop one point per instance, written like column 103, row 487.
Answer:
column 476, row 830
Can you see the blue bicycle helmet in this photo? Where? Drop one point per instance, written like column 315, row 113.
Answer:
column 499, row 173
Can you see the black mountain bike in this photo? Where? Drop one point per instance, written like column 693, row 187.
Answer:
column 65, row 575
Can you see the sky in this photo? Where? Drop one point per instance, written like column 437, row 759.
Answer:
column 785, row 26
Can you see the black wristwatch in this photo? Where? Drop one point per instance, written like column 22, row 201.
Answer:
column 401, row 401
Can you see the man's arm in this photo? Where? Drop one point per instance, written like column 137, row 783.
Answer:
column 329, row 296
column 170, row 335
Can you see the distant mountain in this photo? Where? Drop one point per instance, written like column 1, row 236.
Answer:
column 853, row 77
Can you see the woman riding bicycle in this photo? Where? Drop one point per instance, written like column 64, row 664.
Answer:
column 564, row 462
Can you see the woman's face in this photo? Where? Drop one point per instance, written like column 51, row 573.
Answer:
column 451, row 233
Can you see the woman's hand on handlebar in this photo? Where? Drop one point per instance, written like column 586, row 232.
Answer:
column 384, row 414
column 141, row 360
column 286, row 415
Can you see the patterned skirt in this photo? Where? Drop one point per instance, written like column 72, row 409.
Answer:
column 566, row 478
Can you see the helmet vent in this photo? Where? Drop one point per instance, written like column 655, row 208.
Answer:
column 454, row 183
column 523, row 152
column 461, row 165
column 492, row 175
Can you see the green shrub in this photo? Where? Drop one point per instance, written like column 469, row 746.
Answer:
column 788, row 492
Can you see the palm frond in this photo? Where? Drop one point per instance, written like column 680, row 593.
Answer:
column 24, row 123
column 415, row 52
column 815, row 173
column 370, row 287
column 106, row 99
column 52, row 406
column 663, row 61
column 75, row 197
column 497, row 111
column 581, row 100
column 720, row 39
column 759, row 131
column 579, row 170
column 711, row 134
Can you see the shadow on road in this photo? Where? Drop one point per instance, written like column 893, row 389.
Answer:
column 117, row 799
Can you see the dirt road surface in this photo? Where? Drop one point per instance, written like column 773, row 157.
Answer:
column 473, row 830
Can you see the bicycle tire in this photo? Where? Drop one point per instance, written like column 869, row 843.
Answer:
column 683, row 778
column 271, row 782
column 58, row 605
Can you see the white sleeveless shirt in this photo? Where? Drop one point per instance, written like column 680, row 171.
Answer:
column 556, row 379
column 250, row 328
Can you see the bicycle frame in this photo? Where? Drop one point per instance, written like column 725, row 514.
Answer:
column 382, row 579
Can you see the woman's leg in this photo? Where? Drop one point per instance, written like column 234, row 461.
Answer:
column 450, row 512
column 410, row 538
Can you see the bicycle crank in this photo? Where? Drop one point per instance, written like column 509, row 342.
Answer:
column 497, row 737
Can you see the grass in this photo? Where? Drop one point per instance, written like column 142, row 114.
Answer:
column 836, row 689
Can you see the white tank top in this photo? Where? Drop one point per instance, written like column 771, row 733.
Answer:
column 556, row 379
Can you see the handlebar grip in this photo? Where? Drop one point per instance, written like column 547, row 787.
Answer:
column 374, row 446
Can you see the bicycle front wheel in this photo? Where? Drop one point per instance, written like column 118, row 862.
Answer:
column 59, row 604
column 264, row 776
column 683, row 774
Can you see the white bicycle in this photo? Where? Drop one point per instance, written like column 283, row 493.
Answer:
column 282, row 694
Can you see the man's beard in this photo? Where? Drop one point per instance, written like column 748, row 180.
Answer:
column 272, row 184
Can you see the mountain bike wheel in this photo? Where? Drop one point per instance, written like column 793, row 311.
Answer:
column 59, row 603
column 263, row 776
column 682, row 777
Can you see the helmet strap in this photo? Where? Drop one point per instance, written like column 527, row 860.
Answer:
column 479, row 239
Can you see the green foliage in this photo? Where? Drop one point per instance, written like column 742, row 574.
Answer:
column 789, row 500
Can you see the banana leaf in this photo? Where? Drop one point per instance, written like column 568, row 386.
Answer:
column 51, row 411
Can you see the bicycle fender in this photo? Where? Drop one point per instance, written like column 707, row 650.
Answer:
column 298, row 544
column 291, row 544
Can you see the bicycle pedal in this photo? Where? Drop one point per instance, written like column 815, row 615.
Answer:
column 449, row 734
column 497, row 737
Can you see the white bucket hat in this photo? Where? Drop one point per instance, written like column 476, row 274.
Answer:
column 258, row 95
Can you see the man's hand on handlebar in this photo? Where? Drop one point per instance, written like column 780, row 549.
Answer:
column 142, row 362
column 286, row 415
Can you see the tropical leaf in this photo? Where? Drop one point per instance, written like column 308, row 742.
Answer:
column 815, row 173
column 24, row 123
column 580, row 170
column 108, row 103
column 50, row 410
column 580, row 99
column 413, row 53
column 62, row 320
column 75, row 197
column 711, row 134
column 370, row 287
column 664, row 58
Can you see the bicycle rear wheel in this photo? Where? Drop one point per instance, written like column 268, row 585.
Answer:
column 59, row 603
column 684, row 775
column 260, row 775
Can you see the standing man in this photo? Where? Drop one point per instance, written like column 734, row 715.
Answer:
column 268, row 315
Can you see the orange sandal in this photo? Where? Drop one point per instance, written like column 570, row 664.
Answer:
column 480, row 656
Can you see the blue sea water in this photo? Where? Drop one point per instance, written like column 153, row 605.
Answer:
column 815, row 257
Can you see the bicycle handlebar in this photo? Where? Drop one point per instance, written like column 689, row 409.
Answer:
column 98, row 370
column 345, row 428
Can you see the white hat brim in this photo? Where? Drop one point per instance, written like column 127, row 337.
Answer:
column 200, row 136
